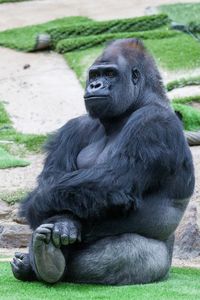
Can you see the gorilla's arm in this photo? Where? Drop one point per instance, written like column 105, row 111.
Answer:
column 146, row 152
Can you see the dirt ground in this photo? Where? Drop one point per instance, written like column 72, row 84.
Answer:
column 34, row 12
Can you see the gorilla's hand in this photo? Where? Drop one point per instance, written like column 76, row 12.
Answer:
column 66, row 231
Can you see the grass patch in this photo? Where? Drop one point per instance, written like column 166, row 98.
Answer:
column 86, row 42
column 178, row 52
column 182, row 13
column 13, row 197
column 31, row 142
column 183, row 284
column 112, row 26
column 9, row 161
column 187, row 100
column 183, row 82
column 190, row 116
column 24, row 38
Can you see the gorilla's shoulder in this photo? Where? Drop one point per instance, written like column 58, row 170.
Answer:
column 74, row 129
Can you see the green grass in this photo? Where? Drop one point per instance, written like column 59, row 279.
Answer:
column 190, row 116
column 31, row 142
column 187, row 100
column 182, row 13
column 183, row 82
column 13, row 197
column 25, row 38
column 85, row 42
column 178, row 52
column 9, row 161
column 183, row 284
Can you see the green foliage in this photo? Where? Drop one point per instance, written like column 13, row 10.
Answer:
column 183, row 284
column 190, row 116
column 182, row 13
column 114, row 26
column 24, row 38
column 9, row 161
column 183, row 82
column 80, row 43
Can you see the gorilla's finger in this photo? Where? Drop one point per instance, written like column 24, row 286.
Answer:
column 43, row 230
column 17, row 262
column 56, row 238
column 15, row 269
column 40, row 237
column 72, row 236
column 48, row 225
column 19, row 255
column 64, row 240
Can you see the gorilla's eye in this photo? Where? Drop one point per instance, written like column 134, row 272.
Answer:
column 110, row 73
column 93, row 74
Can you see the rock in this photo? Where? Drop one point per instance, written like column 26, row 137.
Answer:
column 187, row 242
column 5, row 210
column 14, row 235
column 15, row 216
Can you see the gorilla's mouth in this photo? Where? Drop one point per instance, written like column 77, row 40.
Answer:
column 88, row 97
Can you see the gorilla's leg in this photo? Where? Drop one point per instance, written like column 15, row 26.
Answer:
column 123, row 259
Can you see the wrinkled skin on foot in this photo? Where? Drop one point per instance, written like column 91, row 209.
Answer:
column 49, row 262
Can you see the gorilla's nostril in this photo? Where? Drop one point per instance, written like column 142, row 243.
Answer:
column 98, row 85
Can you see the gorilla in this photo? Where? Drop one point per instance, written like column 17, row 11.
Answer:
column 115, row 182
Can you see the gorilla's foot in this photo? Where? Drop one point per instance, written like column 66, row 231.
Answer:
column 21, row 267
column 48, row 260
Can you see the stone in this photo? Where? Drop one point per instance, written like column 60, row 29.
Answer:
column 5, row 210
column 187, row 237
column 15, row 215
column 14, row 235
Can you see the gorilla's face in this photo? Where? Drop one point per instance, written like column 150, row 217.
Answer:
column 112, row 86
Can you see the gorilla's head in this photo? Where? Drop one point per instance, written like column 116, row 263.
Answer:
column 120, row 78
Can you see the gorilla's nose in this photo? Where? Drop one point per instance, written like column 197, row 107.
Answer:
column 95, row 86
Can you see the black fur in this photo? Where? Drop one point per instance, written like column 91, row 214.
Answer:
column 124, row 168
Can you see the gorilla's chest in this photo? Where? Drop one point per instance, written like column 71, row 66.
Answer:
column 95, row 153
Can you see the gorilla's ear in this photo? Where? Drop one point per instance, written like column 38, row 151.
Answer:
column 135, row 75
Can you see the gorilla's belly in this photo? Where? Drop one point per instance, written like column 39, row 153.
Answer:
column 94, row 153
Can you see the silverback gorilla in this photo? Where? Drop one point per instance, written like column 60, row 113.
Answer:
column 115, row 182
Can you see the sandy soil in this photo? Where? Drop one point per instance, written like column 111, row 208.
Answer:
column 43, row 97
column 15, row 179
column 34, row 12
